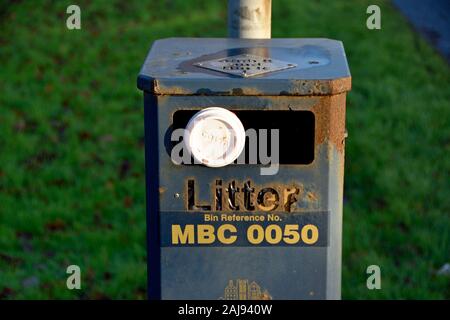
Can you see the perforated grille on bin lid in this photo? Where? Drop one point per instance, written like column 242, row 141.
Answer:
column 203, row 66
column 245, row 65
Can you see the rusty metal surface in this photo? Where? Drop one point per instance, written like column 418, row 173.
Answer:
column 321, row 67
column 313, row 272
column 313, row 191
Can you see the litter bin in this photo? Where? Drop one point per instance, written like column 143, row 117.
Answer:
column 262, row 220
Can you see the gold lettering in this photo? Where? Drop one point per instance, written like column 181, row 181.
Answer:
column 183, row 237
column 314, row 234
column 205, row 233
column 221, row 234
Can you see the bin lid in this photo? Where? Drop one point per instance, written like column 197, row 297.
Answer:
column 228, row 66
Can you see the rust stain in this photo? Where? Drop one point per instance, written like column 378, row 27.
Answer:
column 297, row 88
column 157, row 89
column 312, row 196
column 330, row 120
column 162, row 190
column 319, row 87
column 248, row 91
column 341, row 85
column 337, row 121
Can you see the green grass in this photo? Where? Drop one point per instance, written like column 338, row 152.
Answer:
column 72, row 157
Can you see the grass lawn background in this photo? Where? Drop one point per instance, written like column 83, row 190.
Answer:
column 72, row 153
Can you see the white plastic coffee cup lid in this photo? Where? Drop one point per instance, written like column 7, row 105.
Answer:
column 215, row 137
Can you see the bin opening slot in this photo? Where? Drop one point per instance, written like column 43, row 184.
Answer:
column 296, row 132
